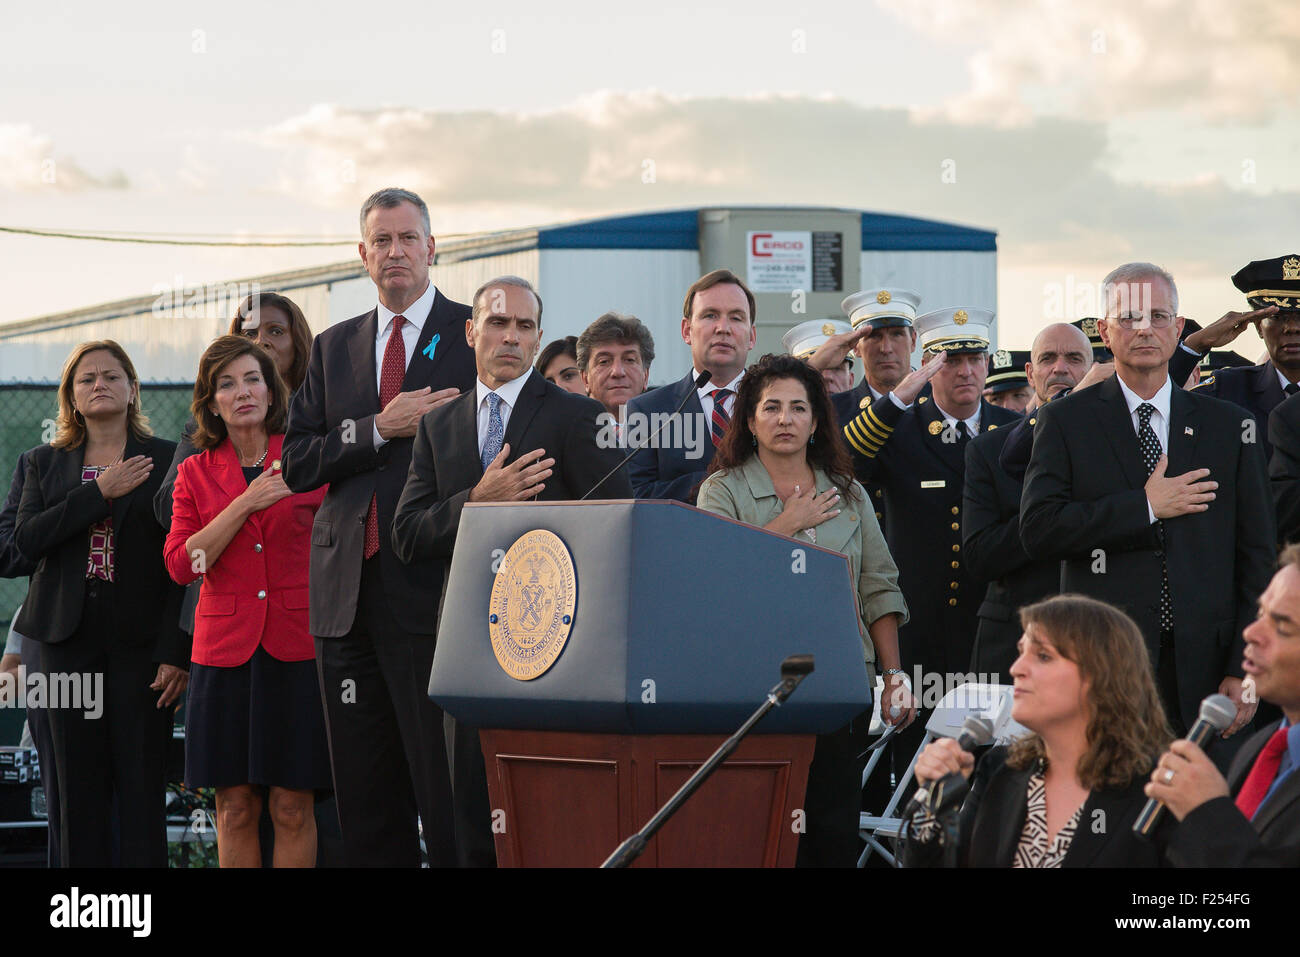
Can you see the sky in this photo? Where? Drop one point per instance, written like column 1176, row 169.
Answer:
column 1085, row 134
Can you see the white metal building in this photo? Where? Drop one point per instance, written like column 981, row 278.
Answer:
column 801, row 261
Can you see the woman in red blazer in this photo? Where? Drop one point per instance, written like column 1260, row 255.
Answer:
column 255, row 722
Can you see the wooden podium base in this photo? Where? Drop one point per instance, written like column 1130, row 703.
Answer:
column 571, row 798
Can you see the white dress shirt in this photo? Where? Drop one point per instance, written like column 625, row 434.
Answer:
column 1159, row 418
column 411, row 329
column 972, row 424
column 706, row 394
column 509, row 399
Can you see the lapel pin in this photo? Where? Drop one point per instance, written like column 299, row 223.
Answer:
column 433, row 344
column 1187, row 430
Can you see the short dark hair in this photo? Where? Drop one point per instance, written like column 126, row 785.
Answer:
column 568, row 346
column 224, row 350
column 717, row 278
column 390, row 198
column 615, row 327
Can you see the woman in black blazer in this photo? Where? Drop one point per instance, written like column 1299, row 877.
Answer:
column 105, row 610
column 1067, row 794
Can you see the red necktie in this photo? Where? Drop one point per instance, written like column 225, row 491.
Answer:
column 391, row 374
column 1262, row 774
column 720, row 417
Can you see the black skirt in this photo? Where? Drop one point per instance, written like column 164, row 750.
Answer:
column 261, row 722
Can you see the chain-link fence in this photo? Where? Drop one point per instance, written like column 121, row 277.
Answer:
column 27, row 414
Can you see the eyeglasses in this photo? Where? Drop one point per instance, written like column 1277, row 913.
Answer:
column 1159, row 320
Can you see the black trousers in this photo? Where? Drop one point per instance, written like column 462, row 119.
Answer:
column 833, row 798
column 38, row 720
column 474, row 843
column 110, row 751
column 387, row 754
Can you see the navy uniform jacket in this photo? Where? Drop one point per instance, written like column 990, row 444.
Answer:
column 670, row 473
column 847, row 405
column 1255, row 388
column 1284, row 468
column 1084, row 504
column 922, row 476
column 995, row 554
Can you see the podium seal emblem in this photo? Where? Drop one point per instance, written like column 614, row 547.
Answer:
column 530, row 613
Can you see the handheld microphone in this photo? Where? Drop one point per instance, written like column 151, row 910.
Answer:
column 1216, row 716
column 976, row 731
column 700, row 383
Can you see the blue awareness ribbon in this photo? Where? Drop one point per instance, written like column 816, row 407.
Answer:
column 433, row 344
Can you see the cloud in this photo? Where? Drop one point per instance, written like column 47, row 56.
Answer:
column 1221, row 61
column 27, row 163
column 1044, row 185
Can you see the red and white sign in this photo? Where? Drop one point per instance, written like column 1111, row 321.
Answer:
column 779, row 261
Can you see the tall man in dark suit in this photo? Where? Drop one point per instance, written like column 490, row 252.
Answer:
column 1059, row 359
column 369, row 381
column 511, row 438
column 1253, row 817
column 718, row 325
column 1155, row 501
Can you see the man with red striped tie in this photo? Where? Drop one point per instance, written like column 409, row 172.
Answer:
column 718, row 325
column 1252, row 819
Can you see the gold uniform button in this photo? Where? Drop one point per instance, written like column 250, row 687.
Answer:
column 877, row 493
column 1033, row 421
column 955, row 509
column 952, row 585
column 956, row 548
column 955, row 526
column 956, row 564
column 879, row 516
column 952, row 601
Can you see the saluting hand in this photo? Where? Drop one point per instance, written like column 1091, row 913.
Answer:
column 837, row 348
column 1219, row 334
column 520, row 480
column 1171, row 496
column 915, row 381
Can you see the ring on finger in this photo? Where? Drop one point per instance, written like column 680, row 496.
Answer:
column 1169, row 775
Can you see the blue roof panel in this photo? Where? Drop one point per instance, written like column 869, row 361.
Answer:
column 678, row 229
column 881, row 231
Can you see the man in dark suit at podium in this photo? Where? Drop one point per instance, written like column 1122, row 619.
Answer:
column 1253, row 817
column 718, row 324
column 369, row 380
column 513, row 437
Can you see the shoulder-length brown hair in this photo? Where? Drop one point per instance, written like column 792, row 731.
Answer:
column 224, row 350
column 1126, row 730
column 299, row 331
column 69, row 430
column 828, row 450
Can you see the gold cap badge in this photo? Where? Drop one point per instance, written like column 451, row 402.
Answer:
column 1090, row 328
column 960, row 317
column 883, row 296
column 1001, row 359
column 828, row 329
column 1291, row 268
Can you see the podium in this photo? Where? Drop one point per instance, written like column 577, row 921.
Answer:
column 671, row 623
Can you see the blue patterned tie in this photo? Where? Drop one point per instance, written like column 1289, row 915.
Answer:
column 496, row 432
column 1149, row 443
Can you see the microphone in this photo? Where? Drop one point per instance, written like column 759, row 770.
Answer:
column 976, row 731
column 700, row 383
column 1216, row 716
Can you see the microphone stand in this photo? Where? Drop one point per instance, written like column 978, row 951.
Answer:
column 793, row 671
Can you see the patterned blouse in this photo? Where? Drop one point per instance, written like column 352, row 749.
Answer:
column 99, row 564
column 1034, row 849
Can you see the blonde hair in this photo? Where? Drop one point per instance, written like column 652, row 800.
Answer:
column 69, row 431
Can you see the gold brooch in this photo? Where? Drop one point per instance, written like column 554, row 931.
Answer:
column 275, row 465
column 960, row 317
column 883, row 296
